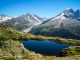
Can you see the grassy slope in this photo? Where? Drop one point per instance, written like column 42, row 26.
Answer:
column 7, row 32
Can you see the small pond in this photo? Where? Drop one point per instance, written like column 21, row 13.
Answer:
column 44, row 47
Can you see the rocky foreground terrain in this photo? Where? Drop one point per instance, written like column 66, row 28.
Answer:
column 14, row 50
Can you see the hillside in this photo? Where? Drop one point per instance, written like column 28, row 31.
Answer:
column 12, row 49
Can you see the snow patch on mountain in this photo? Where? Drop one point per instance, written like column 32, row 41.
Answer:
column 28, row 19
column 36, row 18
column 60, row 16
column 68, row 9
column 4, row 18
column 29, row 28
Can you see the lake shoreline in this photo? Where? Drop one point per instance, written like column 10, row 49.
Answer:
column 52, row 48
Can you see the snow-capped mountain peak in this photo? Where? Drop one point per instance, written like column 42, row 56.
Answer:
column 28, row 13
column 4, row 18
column 68, row 9
column 68, row 13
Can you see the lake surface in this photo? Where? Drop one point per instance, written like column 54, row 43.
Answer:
column 44, row 47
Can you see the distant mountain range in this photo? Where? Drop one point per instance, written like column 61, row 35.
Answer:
column 66, row 25
column 22, row 22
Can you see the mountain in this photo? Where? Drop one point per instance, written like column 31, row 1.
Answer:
column 24, row 22
column 4, row 18
column 66, row 14
column 77, row 14
column 66, row 25
column 69, row 14
column 39, row 18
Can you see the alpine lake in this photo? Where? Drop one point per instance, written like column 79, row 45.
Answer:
column 45, row 47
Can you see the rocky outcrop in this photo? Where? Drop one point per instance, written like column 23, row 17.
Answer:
column 13, row 47
column 71, row 51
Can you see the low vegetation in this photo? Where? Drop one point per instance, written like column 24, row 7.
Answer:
column 73, row 50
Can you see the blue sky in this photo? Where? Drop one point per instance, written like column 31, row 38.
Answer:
column 42, row 8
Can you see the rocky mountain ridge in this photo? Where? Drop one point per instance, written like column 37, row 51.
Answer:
column 66, row 25
column 24, row 21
